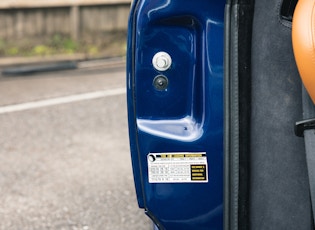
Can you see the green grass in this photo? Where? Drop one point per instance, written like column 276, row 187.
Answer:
column 110, row 44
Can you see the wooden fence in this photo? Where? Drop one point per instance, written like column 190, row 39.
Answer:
column 29, row 18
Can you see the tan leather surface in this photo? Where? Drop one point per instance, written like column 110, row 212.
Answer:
column 303, row 39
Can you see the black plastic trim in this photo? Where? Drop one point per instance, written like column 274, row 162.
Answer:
column 287, row 9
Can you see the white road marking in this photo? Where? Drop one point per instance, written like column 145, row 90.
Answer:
column 61, row 100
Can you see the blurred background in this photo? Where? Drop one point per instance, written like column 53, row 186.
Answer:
column 64, row 149
column 87, row 28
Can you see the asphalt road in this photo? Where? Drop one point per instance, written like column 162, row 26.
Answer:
column 65, row 163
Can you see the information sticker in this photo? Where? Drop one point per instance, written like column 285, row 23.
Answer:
column 177, row 167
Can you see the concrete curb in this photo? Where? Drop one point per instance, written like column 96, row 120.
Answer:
column 25, row 66
column 16, row 61
column 114, row 62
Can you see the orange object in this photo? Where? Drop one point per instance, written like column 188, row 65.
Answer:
column 303, row 39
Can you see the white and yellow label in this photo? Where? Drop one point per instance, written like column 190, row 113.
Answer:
column 177, row 167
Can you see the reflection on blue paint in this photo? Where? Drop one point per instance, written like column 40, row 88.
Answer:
column 185, row 129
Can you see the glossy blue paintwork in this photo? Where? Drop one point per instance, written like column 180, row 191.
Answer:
column 187, row 116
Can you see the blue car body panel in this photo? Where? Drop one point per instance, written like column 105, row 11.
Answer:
column 187, row 116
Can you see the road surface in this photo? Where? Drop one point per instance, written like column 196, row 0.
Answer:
column 64, row 153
